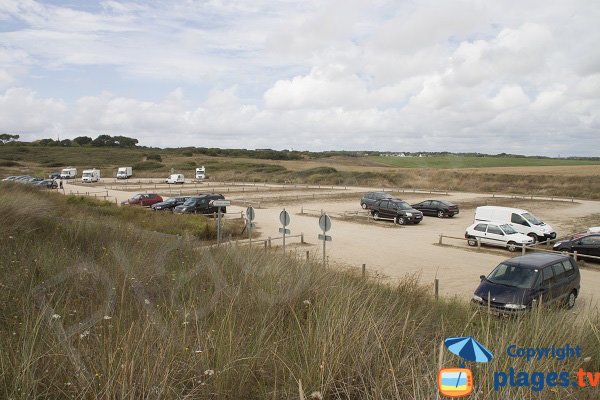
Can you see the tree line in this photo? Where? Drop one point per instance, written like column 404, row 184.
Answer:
column 100, row 141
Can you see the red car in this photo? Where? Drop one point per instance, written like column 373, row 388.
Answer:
column 142, row 199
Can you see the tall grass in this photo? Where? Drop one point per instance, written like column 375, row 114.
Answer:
column 95, row 308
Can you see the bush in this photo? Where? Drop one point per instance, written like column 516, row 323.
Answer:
column 147, row 165
column 154, row 157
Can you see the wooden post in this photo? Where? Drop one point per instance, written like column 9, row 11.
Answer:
column 269, row 239
column 302, row 237
column 440, row 242
column 364, row 270
column 575, row 255
column 523, row 249
column 307, row 255
column 478, row 244
column 436, row 286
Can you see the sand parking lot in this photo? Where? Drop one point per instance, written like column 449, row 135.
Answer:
column 385, row 248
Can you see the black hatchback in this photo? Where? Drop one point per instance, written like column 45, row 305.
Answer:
column 518, row 284
column 200, row 205
column 585, row 244
column 437, row 208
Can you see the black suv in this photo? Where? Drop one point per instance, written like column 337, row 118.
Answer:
column 437, row 208
column 400, row 211
column 584, row 244
column 371, row 198
column 200, row 205
column 520, row 283
column 169, row 204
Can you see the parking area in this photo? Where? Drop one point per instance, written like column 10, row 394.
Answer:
column 386, row 248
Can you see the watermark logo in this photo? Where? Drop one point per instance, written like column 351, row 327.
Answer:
column 458, row 382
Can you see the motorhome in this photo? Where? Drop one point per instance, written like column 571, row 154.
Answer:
column 68, row 173
column 521, row 220
column 200, row 173
column 90, row 175
column 175, row 178
column 124, row 172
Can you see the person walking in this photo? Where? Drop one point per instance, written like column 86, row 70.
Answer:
column 60, row 184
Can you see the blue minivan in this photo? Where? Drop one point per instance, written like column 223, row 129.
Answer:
column 520, row 283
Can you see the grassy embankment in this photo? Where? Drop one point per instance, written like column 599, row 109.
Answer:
column 96, row 307
column 437, row 173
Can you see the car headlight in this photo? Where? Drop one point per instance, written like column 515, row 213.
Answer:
column 408, row 214
column 515, row 306
column 477, row 298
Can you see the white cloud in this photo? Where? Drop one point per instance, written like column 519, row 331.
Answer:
column 464, row 75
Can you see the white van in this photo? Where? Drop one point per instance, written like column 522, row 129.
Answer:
column 521, row 220
column 175, row 178
column 90, row 175
column 124, row 172
column 68, row 173
column 200, row 173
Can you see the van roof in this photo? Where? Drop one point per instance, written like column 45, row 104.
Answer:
column 536, row 260
column 510, row 209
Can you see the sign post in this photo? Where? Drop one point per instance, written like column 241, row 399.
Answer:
column 249, row 223
column 219, row 204
column 284, row 218
column 325, row 225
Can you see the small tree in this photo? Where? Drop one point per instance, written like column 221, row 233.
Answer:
column 5, row 138
column 83, row 140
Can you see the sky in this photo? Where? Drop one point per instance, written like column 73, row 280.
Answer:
column 506, row 76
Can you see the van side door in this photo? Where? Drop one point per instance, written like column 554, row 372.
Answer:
column 547, row 284
column 519, row 223
column 561, row 282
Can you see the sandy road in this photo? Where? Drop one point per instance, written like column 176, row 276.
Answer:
column 395, row 251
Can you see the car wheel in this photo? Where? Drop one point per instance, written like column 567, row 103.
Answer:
column 375, row 215
column 451, row 215
column 364, row 206
column 534, row 237
column 570, row 301
column 417, row 222
column 511, row 246
column 472, row 242
column 440, row 214
column 401, row 220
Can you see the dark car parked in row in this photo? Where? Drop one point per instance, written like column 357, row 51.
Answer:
column 47, row 183
column 400, row 211
column 520, row 283
column 200, row 205
column 170, row 203
column 370, row 198
column 437, row 208
column 584, row 244
column 142, row 199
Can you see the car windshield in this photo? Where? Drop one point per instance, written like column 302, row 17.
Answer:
column 509, row 230
column 513, row 275
column 402, row 205
column 171, row 200
column 531, row 218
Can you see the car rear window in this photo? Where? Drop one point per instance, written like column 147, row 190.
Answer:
column 569, row 270
column 481, row 227
column 559, row 271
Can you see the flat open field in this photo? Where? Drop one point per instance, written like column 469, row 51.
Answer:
column 387, row 249
column 476, row 162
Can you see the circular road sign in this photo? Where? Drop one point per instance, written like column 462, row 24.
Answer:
column 284, row 217
column 325, row 222
column 250, row 214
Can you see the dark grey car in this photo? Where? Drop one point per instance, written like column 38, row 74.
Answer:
column 370, row 198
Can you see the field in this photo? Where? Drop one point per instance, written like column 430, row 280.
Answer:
column 477, row 162
column 101, row 301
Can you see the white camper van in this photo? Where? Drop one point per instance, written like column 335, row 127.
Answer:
column 124, row 172
column 68, row 173
column 200, row 173
column 175, row 178
column 521, row 220
column 90, row 175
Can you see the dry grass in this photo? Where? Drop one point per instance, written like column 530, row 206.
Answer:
column 99, row 308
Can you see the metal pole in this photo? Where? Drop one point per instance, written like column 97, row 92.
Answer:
column 284, row 236
column 218, row 225
column 324, row 241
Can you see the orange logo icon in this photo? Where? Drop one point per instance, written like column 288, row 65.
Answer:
column 455, row 382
